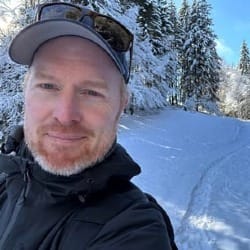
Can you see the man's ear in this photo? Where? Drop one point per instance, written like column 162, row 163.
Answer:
column 126, row 99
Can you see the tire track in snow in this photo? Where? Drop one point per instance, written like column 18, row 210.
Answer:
column 193, row 232
column 196, row 222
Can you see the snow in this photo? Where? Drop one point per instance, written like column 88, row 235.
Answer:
column 198, row 168
column 235, row 93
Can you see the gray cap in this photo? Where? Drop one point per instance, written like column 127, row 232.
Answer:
column 27, row 41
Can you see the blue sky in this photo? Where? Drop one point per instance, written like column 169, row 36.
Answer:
column 231, row 21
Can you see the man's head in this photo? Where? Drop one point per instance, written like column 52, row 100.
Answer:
column 74, row 94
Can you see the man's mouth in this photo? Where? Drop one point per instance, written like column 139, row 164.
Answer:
column 66, row 137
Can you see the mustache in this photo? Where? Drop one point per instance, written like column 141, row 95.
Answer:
column 73, row 128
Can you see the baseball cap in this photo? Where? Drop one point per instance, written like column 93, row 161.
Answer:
column 55, row 20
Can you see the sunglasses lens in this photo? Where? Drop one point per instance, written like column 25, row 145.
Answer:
column 60, row 11
column 114, row 33
column 117, row 36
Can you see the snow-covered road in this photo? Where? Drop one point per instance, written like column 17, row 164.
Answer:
column 198, row 167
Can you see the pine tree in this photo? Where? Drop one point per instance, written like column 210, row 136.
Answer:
column 182, row 45
column 170, row 28
column 149, row 20
column 173, row 19
column 200, row 77
column 184, row 15
column 244, row 64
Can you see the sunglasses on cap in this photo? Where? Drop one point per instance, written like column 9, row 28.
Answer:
column 119, row 38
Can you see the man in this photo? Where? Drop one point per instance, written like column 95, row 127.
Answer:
column 68, row 184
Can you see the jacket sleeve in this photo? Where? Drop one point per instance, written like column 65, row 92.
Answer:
column 139, row 227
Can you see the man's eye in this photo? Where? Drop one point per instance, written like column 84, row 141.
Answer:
column 91, row 92
column 47, row 86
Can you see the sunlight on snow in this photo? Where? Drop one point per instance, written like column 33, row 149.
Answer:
column 209, row 223
column 7, row 12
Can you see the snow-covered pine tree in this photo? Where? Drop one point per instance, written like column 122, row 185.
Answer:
column 149, row 20
column 170, row 29
column 202, row 64
column 183, row 43
column 11, row 96
column 234, row 93
column 244, row 64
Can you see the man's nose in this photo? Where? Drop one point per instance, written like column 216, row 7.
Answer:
column 67, row 110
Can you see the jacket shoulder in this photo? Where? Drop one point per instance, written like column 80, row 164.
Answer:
column 121, row 218
column 118, row 197
column 94, row 213
column 138, row 225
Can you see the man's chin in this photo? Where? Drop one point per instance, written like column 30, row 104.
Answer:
column 60, row 160
column 64, row 167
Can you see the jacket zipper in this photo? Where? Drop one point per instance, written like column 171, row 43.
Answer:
column 18, row 205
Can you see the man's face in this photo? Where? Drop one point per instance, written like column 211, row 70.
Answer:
column 73, row 101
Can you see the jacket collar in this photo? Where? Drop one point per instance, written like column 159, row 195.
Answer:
column 117, row 165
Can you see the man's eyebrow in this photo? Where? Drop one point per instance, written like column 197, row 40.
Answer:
column 41, row 74
column 96, row 83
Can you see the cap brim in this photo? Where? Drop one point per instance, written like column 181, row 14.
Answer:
column 27, row 42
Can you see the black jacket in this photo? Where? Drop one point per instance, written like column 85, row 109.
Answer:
column 98, row 209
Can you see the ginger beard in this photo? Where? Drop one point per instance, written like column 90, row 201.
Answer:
column 70, row 159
